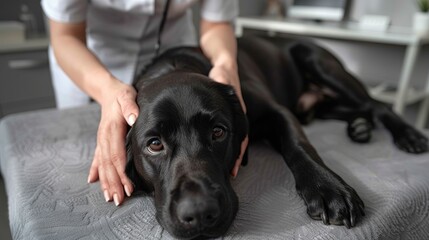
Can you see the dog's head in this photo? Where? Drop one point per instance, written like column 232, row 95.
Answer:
column 183, row 147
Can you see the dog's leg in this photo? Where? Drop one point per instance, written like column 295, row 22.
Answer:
column 405, row 136
column 359, row 121
column 322, row 68
column 326, row 195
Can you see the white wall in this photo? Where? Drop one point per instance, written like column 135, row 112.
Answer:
column 370, row 62
column 400, row 11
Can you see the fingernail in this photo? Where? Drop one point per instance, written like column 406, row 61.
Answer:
column 131, row 119
column 106, row 195
column 116, row 199
column 89, row 179
column 127, row 191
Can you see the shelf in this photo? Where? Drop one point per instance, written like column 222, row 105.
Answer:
column 344, row 31
column 382, row 93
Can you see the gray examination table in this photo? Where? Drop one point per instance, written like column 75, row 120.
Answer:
column 45, row 157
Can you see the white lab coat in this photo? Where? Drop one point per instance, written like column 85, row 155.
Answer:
column 122, row 34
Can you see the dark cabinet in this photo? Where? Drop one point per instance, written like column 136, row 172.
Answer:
column 25, row 82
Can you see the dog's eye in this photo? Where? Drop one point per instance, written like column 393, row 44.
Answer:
column 155, row 145
column 218, row 132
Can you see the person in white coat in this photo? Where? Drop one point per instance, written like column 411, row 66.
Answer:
column 97, row 47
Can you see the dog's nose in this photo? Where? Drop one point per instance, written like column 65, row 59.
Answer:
column 198, row 211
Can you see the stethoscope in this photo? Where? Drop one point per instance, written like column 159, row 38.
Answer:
column 158, row 40
column 161, row 28
column 157, row 46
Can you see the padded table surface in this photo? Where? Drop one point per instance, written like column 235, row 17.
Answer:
column 45, row 157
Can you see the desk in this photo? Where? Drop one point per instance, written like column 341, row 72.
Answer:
column 349, row 31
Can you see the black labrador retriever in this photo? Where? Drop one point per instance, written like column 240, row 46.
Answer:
column 188, row 134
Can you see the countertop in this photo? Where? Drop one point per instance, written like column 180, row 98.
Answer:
column 32, row 44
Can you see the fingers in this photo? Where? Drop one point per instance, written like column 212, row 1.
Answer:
column 243, row 105
column 93, row 171
column 240, row 158
column 104, row 183
column 110, row 159
column 118, row 156
column 111, row 172
column 127, row 102
column 230, row 77
column 112, row 166
column 110, row 155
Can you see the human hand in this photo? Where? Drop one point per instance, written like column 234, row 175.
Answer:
column 117, row 109
column 229, row 75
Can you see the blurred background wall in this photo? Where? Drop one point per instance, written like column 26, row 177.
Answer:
column 373, row 63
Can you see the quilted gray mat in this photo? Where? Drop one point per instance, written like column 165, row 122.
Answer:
column 45, row 157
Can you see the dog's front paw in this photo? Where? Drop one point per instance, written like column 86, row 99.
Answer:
column 331, row 200
column 410, row 140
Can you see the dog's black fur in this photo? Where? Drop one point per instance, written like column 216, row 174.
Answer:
column 188, row 134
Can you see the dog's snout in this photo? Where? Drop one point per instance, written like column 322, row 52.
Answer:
column 198, row 207
column 201, row 206
column 198, row 211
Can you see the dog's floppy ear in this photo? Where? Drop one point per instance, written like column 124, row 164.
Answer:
column 240, row 120
column 241, row 126
column 131, row 167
